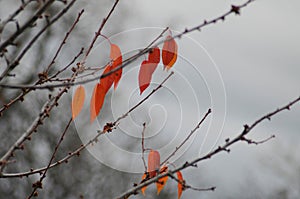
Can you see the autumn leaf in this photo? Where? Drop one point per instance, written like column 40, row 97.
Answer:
column 153, row 163
column 145, row 187
column 116, row 57
column 147, row 69
column 154, row 55
column 145, row 74
column 97, row 100
column 107, row 81
column 180, row 183
column 169, row 52
column 78, row 101
column 162, row 181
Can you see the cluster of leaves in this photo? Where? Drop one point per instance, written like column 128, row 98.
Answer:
column 111, row 75
column 113, row 72
column 154, row 169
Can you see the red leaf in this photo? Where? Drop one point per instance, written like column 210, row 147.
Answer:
column 169, row 52
column 97, row 100
column 145, row 74
column 162, row 181
column 181, row 184
column 78, row 101
column 153, row 163
column 154, row 55
column 116, row 57
column 107, row 81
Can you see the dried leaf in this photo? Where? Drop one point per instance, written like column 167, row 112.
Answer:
column 116, row 57
column 147, row 69
column 97, row 100
column 181, row 184
column 145, row 74
column 78, row 101
column 153, row 163
column 169, row 52
column 107, row 81
column 162, row 181
column 154, row 55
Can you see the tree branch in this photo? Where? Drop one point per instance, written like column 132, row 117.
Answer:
column 233, row 10
column 209, row 155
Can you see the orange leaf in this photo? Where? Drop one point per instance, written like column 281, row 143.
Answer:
column 153, row 163
column 116, row 57
column 78, row 101
column 145, row 74
column 154, row 55
column 107, row 81
column 181, row 184
column 145, row 187
column 169, row 52
column 162, row 181
column 97, row 100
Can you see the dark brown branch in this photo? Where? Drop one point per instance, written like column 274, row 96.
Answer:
column 21, row 96
column 34, row 39
column 28, row 24
column 82, row 147
column 39, row 182
column 44, row 113
column 64, row 40
column 14, row 14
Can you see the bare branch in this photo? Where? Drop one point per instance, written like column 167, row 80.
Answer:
column 39, row 182
column 77, row 151
column 219, row 149
column 249, row 141
column 26, row 25
column 98, row 33
column 34, row 39
column 233, row 10
column 143, row 146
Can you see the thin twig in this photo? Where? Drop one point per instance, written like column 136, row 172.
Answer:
column 98, row 33
column 187, row 186
column 143, row 146
column 188, row 137
column 249, row 141
column 64, row 40
column 39, row 183
column 143, row 100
